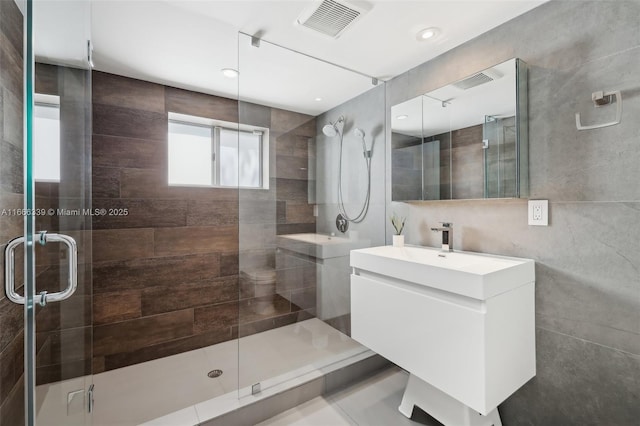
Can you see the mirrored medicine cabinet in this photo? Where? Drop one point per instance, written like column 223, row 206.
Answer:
column 466, row 140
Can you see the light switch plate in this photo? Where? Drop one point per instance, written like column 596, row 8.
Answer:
column 539, row 212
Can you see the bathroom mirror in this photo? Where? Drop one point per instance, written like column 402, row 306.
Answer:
column 466, row 140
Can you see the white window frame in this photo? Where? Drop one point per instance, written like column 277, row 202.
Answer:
column 216, row 126
column 50, row 101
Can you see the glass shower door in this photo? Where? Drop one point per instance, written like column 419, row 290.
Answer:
column 294, row 307
column 45, row 356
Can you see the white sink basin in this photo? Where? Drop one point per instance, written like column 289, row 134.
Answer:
column 319, row 245
column 480, row 276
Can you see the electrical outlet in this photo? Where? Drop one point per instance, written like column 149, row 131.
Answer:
column 539, row 212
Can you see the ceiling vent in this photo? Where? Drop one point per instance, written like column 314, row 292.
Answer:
column 331, row 18
column 478, row 79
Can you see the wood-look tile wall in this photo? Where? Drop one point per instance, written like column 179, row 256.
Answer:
column 11, row 197
column 166, row 275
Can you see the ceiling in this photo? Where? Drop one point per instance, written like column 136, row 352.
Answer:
column 186, row 43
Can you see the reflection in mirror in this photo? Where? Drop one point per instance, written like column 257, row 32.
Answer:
column 466, row 140
column 436, row 147
column 406, row 150
column 499, row 139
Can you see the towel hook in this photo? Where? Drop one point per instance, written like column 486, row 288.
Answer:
column 599, row 99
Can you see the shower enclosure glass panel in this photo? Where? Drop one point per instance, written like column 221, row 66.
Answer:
column 61, row 37
column 64, row 329
column 50, row 200
column 293, row 312
column 12, row 223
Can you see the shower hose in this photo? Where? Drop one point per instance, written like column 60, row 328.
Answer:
column 365, row 207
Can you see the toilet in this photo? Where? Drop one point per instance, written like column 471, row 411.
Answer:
column 259, row 284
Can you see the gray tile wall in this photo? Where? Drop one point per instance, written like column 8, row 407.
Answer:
column 366, row 112
column 588, row 259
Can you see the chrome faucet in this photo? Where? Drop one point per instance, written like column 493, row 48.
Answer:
column 447, row 235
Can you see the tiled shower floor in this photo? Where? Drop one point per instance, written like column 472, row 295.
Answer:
column 132, row 395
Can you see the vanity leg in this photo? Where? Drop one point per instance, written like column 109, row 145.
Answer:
column 442, row 407
column 407, row 404
column 494, row 418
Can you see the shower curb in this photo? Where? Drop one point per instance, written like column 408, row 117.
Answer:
column 344, row 374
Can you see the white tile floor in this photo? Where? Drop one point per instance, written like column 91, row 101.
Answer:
column 132, row 395
column 372, row 402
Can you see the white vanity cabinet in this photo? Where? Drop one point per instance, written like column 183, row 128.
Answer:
column 462, row 324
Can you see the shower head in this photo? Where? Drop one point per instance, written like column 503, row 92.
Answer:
column 359, row 132
column 332, row 129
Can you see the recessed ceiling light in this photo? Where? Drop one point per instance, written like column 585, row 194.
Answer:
column 318, row 99
column 229, row 72
column 402, row 117
column 427, row 33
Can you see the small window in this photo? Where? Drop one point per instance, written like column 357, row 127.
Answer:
column 46, row 138
column 204, row 152
column 190, row 154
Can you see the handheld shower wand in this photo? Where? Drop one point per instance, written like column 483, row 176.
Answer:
column 332, row 130
column 360, row 134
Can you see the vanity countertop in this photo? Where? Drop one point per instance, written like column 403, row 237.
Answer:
column 477, row 275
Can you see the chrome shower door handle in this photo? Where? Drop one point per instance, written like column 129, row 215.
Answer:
column 10, row 271
column 44, row 297
column 72, row 284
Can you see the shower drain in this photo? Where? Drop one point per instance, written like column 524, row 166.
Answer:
column 214, row 373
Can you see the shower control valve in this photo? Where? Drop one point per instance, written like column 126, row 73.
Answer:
column 342, row 223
